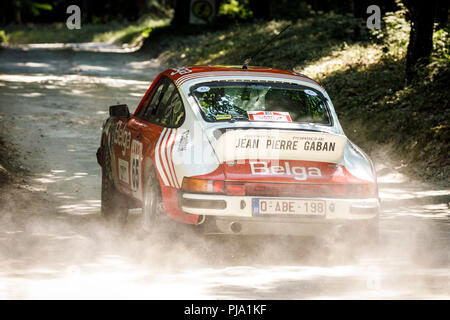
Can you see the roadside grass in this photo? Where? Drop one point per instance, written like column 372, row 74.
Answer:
column 10, row 165
column 362, row 71
column 377, row 109
column 305, row 40
column 113, row 32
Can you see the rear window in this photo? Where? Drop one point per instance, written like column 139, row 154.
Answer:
column 270, row 102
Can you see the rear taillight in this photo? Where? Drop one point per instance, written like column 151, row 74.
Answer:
column 369, row 190
column 235, row 189
column 193, row 185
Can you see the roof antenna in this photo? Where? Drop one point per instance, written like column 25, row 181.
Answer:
column 247, row 61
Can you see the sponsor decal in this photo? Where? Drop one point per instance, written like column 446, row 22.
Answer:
column 280, row 144
column 122, row 137
column 202, row 89
column 319, row 146
column 136, row 165
column 181, row 71
column 238, row 74
column 279, row 116
column 123, row 171
column 310, row 92
column 184, row 140
column 223, row 116
column 299, row 173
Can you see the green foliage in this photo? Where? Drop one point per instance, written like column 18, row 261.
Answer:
column 117, row 32
column 413, row 119
column 146, row 32
column 377, row 108
column 235, row 10
column 363, row 73
column 36, row 7
column 32, row 6
column 290, row 10
column 2, row 36
column 341, row 26
column 306, row 40
column 441, row 44
column 394, row 35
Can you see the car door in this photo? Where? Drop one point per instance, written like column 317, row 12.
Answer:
column 145, row 130
column 139, row 138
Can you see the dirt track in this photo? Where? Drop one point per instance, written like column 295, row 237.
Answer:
column 53, row 243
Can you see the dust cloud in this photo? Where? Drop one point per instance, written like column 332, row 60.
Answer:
column 55, row 244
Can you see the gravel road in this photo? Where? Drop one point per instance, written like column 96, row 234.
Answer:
column 54, row 244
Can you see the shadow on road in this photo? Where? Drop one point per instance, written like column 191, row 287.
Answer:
column 55, row 244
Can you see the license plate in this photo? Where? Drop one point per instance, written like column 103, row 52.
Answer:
column 289, row 207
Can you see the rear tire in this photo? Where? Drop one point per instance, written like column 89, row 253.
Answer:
column 114, row 206
column 152, row 211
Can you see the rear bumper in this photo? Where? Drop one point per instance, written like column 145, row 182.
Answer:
column 290, row 227
column 241, row 206
column 234, row 215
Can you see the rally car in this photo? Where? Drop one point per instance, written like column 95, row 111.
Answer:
column 249, row 150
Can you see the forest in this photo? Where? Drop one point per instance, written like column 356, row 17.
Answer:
column 386, row 82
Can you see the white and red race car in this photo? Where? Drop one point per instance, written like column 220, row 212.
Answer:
column 243, row 151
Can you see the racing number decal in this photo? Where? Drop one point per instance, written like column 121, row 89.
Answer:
column 181, row 71
column 136, row 165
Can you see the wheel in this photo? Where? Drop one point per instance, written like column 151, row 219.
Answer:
column 152, row 208
column 114, row 206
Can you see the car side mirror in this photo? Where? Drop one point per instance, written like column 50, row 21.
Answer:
column 119, row 110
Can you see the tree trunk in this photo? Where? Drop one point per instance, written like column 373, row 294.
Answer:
column 442, row 13
column 18, row 15
column 420, row 45
column 182, row 12
column 260, row 8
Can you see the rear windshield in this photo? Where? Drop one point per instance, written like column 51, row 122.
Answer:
column 271, row 102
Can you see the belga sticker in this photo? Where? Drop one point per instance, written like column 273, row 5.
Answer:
column 223, row 116
column 279, row 116
column 203, row 89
